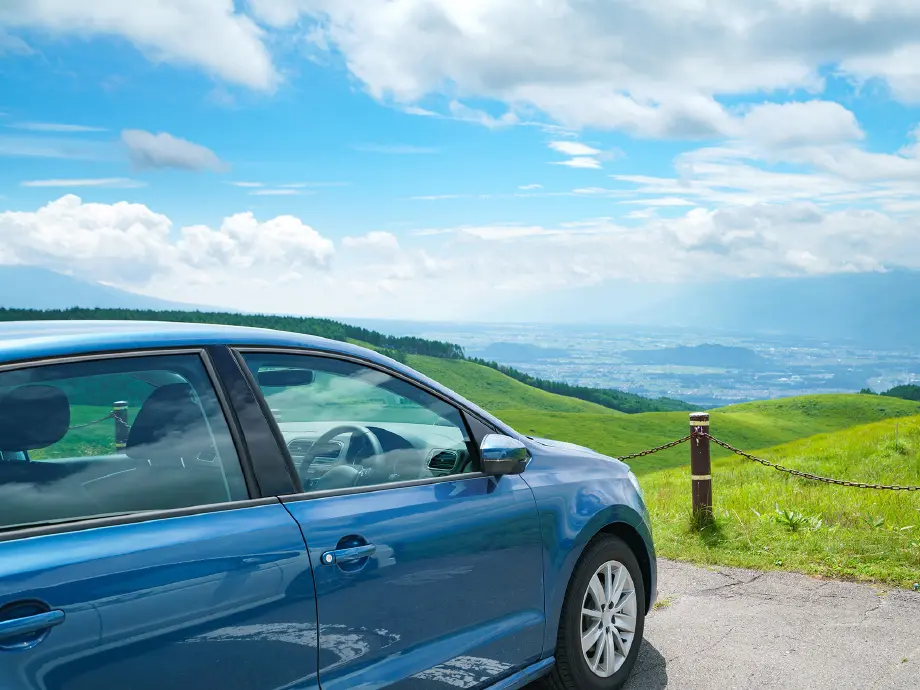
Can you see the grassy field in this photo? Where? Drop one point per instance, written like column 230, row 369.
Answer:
column 747, row 426
column 495, row 392
column 768, row 520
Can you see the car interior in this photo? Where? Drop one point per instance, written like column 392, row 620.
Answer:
column 334, row 455
column 171, row 460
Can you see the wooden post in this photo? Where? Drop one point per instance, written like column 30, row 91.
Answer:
column 700, row 466
column 120, row 415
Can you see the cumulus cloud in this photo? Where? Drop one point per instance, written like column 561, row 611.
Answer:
column 130, row 245
column 812, row 123
column 147, row 150
column 247, row 263
column 652, row 69
column 207, row 34
column 376, row 240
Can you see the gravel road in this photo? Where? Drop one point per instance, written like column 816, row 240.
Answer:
column 732, row 629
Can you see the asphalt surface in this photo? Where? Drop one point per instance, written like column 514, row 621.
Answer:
column 732, row 629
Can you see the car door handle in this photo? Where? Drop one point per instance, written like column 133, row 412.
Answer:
column 356, row 553
column 30, row 624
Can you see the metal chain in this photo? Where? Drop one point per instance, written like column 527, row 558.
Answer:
column 806, row 475
column 95, row 421
column 657, row 449
column 110, row 415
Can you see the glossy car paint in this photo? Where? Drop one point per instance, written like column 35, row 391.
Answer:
column 456, row 580
column 576, row 494
column 222, row 599
column 579, row 494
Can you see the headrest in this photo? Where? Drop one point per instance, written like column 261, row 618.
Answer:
column 33, row 417
column 170, row 425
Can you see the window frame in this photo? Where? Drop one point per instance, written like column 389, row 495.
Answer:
column 466, row 415
column 239, row 444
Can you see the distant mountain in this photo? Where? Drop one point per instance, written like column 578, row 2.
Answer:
column 876, row 309
column 29, row 287
column 519, row 352
column 706, row 355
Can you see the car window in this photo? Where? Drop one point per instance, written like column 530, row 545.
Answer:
column 349, row 425
column 112, row 436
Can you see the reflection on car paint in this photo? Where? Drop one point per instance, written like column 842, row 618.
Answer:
column 424, row 577
column 344, row 643
column 465, row 671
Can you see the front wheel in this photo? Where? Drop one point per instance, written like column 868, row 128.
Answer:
column 603, row 618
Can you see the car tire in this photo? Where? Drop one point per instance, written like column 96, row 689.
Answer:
column 573, row 669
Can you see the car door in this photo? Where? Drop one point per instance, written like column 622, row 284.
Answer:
column 428, row 574
column 134, row 550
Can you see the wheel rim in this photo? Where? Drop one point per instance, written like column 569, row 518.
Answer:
column 608, row 619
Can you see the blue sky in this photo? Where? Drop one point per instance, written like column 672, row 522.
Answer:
column 432, row 159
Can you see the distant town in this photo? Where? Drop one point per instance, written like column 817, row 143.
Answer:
column 701, row 368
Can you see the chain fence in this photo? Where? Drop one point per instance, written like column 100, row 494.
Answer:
column 767, row 463
column 656, row 449
column 110, row 415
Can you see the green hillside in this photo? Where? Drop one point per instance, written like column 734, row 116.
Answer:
column 768, row 520
column 748, row 426
column 496, row 392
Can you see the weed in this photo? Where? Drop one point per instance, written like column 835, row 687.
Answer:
column 663, row 603
column 796, row 522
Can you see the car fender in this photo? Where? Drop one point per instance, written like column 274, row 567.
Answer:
column 575, row 506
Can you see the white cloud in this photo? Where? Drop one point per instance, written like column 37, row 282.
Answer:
column 464, row 113
column 130, row 245
column 573, row 148
column 530, row 187
column 585, row 162
column 899, row 67
column 206, row 34
column 813, row 123
column 162, row 150
column 652, row 69
column 284, row 265
column 248, row 185
column 55, row 127
column 376, row 240
column 114, row 182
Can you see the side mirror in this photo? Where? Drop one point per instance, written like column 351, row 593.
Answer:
column 500, row 455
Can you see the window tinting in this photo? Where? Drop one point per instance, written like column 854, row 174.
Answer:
column 112, row 436
column 349, row 425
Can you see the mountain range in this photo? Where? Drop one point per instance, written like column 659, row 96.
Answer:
column 875, row 309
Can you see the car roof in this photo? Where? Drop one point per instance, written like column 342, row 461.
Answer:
column 38, row 339
column 31, row 340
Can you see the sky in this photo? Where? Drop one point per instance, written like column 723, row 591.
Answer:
column 436, row 159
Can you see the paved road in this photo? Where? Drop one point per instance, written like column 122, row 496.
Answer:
column 728, row 629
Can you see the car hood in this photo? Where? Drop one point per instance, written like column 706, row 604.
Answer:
column 563, row 445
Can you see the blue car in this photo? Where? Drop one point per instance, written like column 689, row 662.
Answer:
column 203, row 507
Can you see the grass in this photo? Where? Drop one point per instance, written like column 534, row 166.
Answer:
column 97, row 439
column 768, row 520
column 495, row 392
column 747, row 426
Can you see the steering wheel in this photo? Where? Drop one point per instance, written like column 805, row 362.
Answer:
column 353, row 430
